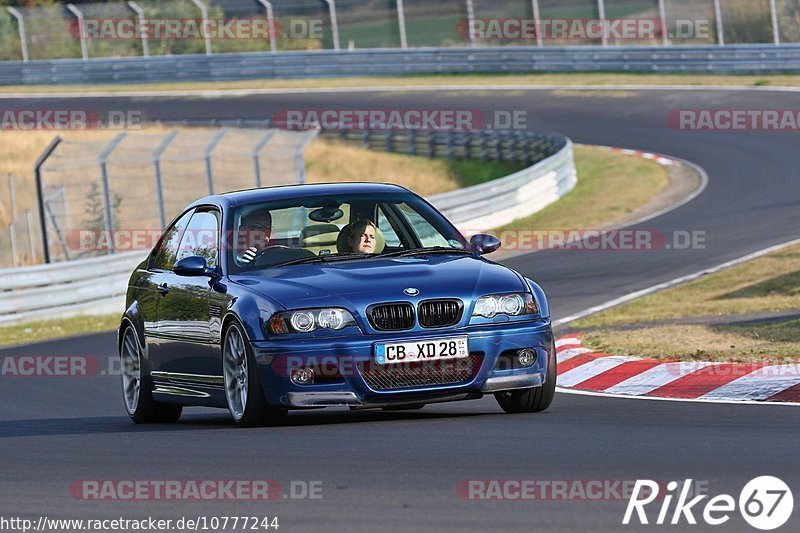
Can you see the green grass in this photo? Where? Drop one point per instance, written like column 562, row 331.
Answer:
column 469, row 173
column 43, row 330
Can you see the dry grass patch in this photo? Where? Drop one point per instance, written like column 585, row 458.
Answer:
column 764, row 285
column 742, row 344
column 767, row 284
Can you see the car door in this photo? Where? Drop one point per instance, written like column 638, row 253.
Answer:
column 161, row 260
column 184, row 311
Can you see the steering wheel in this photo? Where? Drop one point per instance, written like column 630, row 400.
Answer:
column 268, row 248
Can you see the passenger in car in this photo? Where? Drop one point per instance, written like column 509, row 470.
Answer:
column 362, row 237
column 254, row 233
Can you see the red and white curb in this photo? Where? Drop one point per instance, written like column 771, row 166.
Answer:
column 580, row 368
column 658, row 158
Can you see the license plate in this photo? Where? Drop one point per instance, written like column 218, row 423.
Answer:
column 427, row 350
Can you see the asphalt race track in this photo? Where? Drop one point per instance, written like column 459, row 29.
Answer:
column 399, row 471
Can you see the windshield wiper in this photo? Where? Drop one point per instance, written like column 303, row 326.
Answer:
column 322, row 259
column 428, row 250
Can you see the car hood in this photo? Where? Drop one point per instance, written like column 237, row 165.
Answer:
column 356, row 284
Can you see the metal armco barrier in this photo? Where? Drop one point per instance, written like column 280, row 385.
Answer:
column 98, row 285
column 732, row 59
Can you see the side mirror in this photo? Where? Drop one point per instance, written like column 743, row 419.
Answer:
column 485, row 244
column 193, row 266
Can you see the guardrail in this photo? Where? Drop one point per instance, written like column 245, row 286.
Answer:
column 732, row 59
column 92, row 286
column 98, row 285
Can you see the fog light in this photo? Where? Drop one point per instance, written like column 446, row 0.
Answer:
column 302, row 376
column 526, row 357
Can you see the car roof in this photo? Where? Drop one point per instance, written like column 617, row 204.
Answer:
column 266, row 194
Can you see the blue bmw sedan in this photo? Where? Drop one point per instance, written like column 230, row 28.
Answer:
column 303, row 297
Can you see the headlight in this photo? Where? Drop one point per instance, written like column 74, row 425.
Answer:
column 505, row 304
column 308, row 320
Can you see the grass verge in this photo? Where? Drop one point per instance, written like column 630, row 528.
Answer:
column 567, row 79
column 610, row 187
column 702, row 320
column 43, row 330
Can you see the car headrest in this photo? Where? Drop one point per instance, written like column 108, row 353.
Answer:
column 319, row 235
column 344, row 248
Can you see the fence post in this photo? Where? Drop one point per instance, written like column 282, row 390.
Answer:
column 23, row 40
column 273, row 42
column 776, row 26
column 334, row 22
column 207, row 155
column 142, row 27
column 720, row 26
column 29, row 223
column 662, row 13
column 162, row 216
column 12, row 232
column 12, row 195
column 401, row 22
column 81, row 31
column 37, row 171
column 601, row 10
column 204, row 13
column 256, row 151
column 299, row 159
column 470, row 24
column 109, row 214
column 537, row 23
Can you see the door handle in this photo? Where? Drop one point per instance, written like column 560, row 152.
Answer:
column 162, row 289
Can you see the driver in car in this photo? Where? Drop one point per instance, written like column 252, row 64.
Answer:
column 254, row 231
column 362, row 237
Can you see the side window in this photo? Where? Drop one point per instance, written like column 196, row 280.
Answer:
column 201, row 237
column 392, row 240
column 427, row 234
column 166, row 254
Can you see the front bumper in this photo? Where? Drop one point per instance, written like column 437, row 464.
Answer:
column 349, row 387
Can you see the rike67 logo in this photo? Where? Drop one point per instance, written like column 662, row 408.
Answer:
column 766, row 503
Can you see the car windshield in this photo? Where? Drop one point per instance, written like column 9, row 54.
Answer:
column 338, row 228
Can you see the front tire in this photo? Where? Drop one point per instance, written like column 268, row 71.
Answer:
column 532, row 400
column 137, row 390
column 242, row 387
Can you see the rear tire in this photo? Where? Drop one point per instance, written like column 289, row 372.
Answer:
column 137, row 389
column 243, row 390
column 532, row 400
